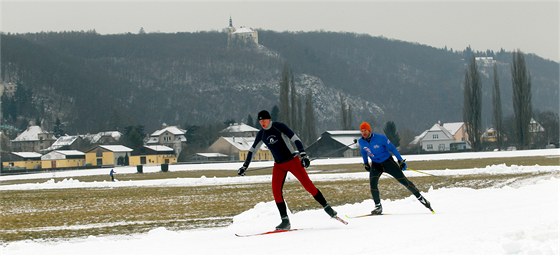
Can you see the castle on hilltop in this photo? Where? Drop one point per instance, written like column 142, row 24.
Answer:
column 241, row 36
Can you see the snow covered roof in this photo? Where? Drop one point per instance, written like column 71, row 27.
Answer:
column 116, row 148
column 94, row 139
column 61, row 154
column 171, row 129
column 453, row 127
column 62, row 141
column 346, row 137
column 71, row 152
column 27, row 154
column 30, row 134
column 419, row 137
column 239, row 127
column 243, row 143
column 158, row 148
column 210, row 155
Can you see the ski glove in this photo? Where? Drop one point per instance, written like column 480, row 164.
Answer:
column 367, row 167
column 305, row 162
column 241, row 171
column 402, row 164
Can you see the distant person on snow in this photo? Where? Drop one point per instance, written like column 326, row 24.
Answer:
column 112, row 174
column 378, row 148
column 277, row 136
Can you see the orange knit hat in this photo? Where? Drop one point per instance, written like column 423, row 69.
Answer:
column 365, row 126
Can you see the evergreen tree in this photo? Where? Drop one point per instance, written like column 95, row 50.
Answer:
column 522, row 109
column 58, row 130
column 392, row 134
column 134, row 136
column 250, row 120
column 472, row 106
column 497, row 102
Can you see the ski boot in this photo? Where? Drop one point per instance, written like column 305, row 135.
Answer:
column 285, row 224
column 330, row 211
column 378, row 210
column 425, row 202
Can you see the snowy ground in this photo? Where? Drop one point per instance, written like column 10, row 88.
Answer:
column 521, row 218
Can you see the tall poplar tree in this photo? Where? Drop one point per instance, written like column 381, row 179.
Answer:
column 522, row 109
column 472, row 106
column 284, row 104
column 293, row 104
column 310, row 125
column 497, row 113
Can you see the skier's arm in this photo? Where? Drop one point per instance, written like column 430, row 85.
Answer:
column 363, row 152
column 256, row 145
column 393, row 150
column 292, row 136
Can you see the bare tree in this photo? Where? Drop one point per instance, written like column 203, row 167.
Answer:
column 472, row 104
column 284, row 103
column 310, row 125
column 522, row 109
column 293, row 103
column 346, row 113
column 497, row 103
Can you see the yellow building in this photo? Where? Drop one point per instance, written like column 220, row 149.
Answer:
column 237, row 148
column 59, row 159
column 153, row 155
column 108, row 155
column 23, row 160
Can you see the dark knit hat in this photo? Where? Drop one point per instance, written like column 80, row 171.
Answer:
column 263, row 115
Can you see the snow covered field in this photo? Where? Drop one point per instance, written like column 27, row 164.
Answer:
column 520, row 218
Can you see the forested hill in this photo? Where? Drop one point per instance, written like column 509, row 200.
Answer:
column 98, row 82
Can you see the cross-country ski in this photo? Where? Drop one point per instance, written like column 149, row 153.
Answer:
column 267, row 232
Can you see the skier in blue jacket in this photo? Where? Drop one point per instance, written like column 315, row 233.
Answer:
column 378, row 148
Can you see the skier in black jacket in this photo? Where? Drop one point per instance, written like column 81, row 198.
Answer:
column 277, row 136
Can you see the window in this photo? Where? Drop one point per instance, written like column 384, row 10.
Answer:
column 429, row 146
column 441, row 147
column 435, row 136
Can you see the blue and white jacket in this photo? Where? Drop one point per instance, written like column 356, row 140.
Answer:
column 378, row 148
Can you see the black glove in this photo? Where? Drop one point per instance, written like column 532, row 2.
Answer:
column 367, row 167
column 402, row 164
column 305, row 162
column 241, row 171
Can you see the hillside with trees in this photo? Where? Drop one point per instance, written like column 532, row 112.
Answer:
column 93, row 82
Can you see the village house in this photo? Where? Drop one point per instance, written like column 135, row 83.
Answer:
column 171, row 136
column 443, row 137
column 108, row 155
column 33, row 139
column 339, row 143
column 237, row 148
column 59, row 159
column 153, row 155
column 22, row 160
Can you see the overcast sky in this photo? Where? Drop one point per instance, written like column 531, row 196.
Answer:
column 531, row 25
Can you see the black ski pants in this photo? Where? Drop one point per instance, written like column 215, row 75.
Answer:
column 391, row 167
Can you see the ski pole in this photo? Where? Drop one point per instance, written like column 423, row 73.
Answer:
column 334, row 151
column 423, row 172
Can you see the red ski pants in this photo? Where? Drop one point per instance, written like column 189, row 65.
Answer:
column 279, row 173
